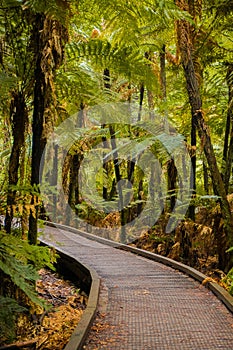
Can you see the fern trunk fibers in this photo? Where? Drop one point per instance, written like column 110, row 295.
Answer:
column 49, row 38
column 186, row 50
column 19, row 117
column 228, row 151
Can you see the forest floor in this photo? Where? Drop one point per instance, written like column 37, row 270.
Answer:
column 51, row 329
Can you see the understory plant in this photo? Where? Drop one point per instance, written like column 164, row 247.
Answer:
column 19, row 266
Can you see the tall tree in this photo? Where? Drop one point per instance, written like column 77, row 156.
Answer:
column 228, row 143
column 49, row 37
column 184, row 31
column 16, row 65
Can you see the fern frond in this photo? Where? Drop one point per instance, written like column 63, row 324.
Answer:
column 8, row 309
column 20, row 262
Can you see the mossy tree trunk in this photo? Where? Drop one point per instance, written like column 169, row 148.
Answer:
column 19, row 120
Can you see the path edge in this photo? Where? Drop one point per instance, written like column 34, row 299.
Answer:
column 219, row 291
column 80, row 332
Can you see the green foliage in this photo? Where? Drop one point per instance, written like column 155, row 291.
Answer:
column 228, row 280
column 125, row 60
column 9, row 308
column 19, row 263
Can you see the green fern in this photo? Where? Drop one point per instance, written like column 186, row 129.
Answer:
column 19, row 263
column 9, row 308
column 228, row 280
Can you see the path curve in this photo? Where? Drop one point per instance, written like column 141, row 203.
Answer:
column 144, row 304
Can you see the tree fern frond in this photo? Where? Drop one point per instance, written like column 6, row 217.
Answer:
column 17, row 258
column 125, row 60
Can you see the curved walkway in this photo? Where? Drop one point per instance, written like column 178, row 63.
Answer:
column 144, row 304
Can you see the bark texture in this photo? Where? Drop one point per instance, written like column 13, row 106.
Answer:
column 19, row 120
column 49, row 37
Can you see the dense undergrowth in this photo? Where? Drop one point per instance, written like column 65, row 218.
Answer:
column 19, row 266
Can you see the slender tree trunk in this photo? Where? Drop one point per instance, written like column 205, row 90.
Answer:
column 54, row 180
column 206, row 177
column 191, row 211
column 118, row 179
column 172, row 180
column 73, row 198
column 186, row 49
column 171, row 168
column 142, row 90
column 163, row 79
column 150, row 96
column 228, row 151
column 38, row 139
column 107, row 85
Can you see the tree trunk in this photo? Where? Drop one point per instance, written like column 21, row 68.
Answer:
column 54, row 179
column 163, row 80
column 118, row 179
column 49, row 38
column 191, row 211
column 142, row 90
column 206, row 177
column 171, row 168
column 19, row 117
column 186, row 49
column 150, row 96
column 228, row 151
column 172, row 180
column 107, row 85
column 38, row 138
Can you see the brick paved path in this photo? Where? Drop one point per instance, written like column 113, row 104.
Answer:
column 146, row 305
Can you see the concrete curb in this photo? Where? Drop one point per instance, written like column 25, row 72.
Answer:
column 219, row 291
